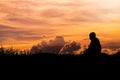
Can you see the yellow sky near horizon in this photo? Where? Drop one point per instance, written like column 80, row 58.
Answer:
column 24, row 23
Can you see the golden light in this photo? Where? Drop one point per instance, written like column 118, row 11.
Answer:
column 72, row 17
column 111, row 3
column 111, row 9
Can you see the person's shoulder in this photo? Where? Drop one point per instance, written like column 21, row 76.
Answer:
column 97, row 39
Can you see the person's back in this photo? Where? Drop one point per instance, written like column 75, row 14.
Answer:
column 95, row 46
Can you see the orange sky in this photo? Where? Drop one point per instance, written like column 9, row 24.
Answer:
column 24, row 23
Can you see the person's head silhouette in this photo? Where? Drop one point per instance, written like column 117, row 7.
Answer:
column 92, row 36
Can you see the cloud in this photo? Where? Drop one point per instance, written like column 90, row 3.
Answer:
column 112, row 45
column 3, row 32
column 111, row 48
column 69, row 48
column 35, row 12
column 4, row 27
column 52, row 46
column 52, row 13
column 7, row 32
column 27, row 21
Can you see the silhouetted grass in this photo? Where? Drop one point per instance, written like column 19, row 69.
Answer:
column 12, row 56
column 47, row 58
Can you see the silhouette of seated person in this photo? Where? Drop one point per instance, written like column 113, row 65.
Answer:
column 95, row 46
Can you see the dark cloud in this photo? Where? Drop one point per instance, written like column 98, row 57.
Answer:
column 19, row 34
column 52, row 46
column 112, row 45
column 69, row 48
column 28, row 21
column 4, row 27
column 28, row 38
column 3, row 32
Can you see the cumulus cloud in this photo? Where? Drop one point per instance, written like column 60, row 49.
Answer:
column 70, row 48
column 109, row 51
column 52, row 46
column 113, row 45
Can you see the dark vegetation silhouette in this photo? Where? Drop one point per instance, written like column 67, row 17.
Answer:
column 12, row 56
column 92, row 55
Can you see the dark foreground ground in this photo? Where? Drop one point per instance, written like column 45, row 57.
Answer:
column 60, row 59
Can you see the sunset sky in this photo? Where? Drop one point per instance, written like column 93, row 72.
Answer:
column 24, row 23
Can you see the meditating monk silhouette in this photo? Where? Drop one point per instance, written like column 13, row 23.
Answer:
column 95, row 46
